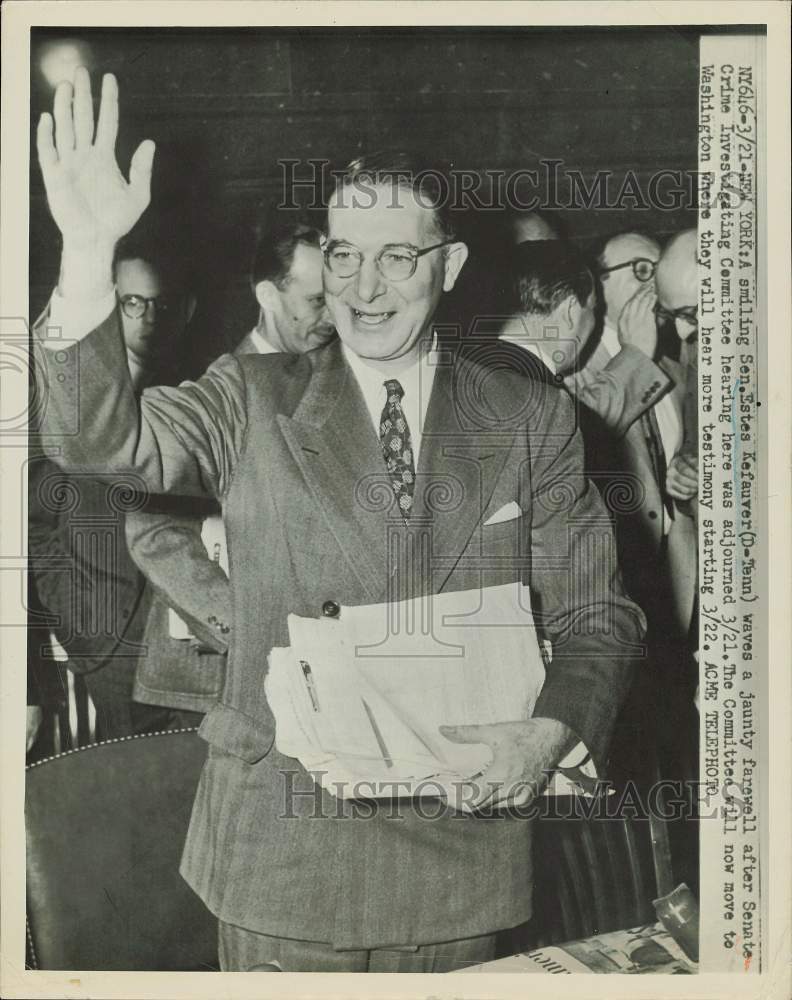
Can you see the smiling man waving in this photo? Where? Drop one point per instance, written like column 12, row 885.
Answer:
column 332, row 468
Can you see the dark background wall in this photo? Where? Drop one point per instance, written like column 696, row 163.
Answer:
column 225, row 106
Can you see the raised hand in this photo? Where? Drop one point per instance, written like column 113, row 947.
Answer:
column 637, row 322
column 90, row 200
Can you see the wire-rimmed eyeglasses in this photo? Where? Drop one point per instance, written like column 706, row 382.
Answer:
column 688, row 313
column 135, row 306
column 395, row 261
column 642, row 268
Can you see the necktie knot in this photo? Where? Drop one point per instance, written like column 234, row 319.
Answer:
column 395, row 391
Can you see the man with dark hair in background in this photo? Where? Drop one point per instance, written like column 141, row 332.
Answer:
column 191, row 622
column 286, row 279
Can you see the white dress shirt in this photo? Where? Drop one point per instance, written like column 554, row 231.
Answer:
column 262, row 345
column 416, row 380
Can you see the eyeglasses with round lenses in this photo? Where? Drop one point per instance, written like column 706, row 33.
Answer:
column 395, row 261
column 642, row 268
column 135, row 306
column 687, row 313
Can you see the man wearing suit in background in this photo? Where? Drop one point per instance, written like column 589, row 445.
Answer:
column 84, row 575
column 332, row 467
column 634, row 446
column 189, row 625
column 642, row 440
column 630, row 417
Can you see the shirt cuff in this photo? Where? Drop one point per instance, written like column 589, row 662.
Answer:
column 76, row 318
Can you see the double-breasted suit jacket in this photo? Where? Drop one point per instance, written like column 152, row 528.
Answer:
column 288, row 447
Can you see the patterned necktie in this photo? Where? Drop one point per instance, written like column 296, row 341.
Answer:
column 397, row 447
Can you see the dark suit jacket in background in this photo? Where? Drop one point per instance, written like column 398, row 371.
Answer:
column 287, row 445
column 164, row 539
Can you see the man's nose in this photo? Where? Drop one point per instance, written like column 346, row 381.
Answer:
column 369, row 283
column 150, row 315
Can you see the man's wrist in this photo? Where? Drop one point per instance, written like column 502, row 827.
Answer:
column 86, row 272
column 557, row 738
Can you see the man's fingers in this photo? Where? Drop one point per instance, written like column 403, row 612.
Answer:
column 465, row 734
column 47, row 154
column 140, row 172
column 83, row 109
column 107, row 126
column 64, row 125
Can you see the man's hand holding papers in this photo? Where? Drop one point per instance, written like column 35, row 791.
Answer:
column 361, row 700
column 523, row 756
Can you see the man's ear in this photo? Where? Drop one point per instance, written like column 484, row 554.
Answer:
column 267, row 296
column 189, row 308
column 455, row 256
column 570, row 312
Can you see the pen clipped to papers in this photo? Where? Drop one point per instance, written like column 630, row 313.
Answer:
column 309, row 683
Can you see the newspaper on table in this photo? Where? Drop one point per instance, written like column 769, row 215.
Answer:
column 645, row 950
column 358, row 699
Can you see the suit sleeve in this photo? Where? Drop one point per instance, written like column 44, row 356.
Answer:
column 579, row 602
column 621, row 391
column 85, row 578
column 182, row 440
column 169, row 551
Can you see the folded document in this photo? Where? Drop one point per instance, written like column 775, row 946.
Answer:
column 359, row 699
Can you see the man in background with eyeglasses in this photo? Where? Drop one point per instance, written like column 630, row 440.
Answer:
column 155, row 307
column 657, row 543
column 641, row 440
column 84, row 574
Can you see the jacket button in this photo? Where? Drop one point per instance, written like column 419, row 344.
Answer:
column 653, row 515
column 331, row 609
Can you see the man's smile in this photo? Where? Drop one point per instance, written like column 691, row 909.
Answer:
column 371, row 318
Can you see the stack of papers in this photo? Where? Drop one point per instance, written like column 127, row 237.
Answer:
column 359, row 699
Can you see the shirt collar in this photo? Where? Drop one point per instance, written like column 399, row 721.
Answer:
column 419, row 373
column 516, row 332
column 610, row 339
column 262, row 345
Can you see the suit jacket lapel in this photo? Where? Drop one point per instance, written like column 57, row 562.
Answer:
column 334, row 443
column 337, row 450
column 458, row 467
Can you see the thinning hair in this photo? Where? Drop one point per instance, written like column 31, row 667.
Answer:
column 429, row 182
column 547, row 272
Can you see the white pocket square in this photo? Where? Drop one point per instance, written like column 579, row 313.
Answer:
column 507, row 512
